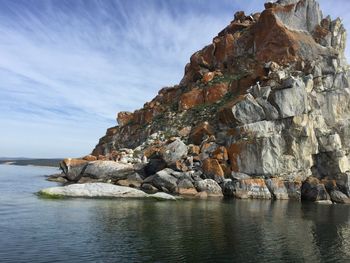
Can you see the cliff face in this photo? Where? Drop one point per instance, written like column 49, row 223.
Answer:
column 265, row 105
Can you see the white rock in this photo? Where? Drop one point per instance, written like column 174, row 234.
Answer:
column 102, row 190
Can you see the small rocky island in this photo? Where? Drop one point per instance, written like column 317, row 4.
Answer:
column 262, row 112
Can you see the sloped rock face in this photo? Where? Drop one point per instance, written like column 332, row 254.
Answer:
column 268, row 98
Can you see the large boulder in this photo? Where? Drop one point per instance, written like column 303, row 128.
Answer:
column 108, row 170
column 174, row 151
column 249, row 189
column 100, row 190
column 284, row 189
column 259, row 156
column 155, row 165
column 164, row 180
column 339, row 197
column 313, row 190
column 186, row 187
column 247, row 110
column 277, row 188
column 210, row 187
column 73, row 168
column 213, row 170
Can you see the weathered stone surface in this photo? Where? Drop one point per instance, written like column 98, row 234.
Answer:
column 220, row 154
column 132, row 180
column 197, row 134
column 186, row 187
column 174, row 151
column 215, row 92
column 124, row 117
column 213, row 170
column 313, row 190
column 155, row 165
column 247, row 189
column 277, row 188
column 291, row 101
column 191, row 99
column 108, row 170
column 89, row 158
column 73, row 168
column 283, row 189
column 339, row 197
column 300, row 15
column 270, row 111
column 247, row 110
column 257, row 157
column 165, row 181
column 209, row 186
column 101, row 190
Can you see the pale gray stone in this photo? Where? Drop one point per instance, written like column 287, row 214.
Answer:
column 174, row 151
column 209, row 186
column 101, row 190
column 108, row 170
column 291, row 101
column 248, row 111
column 305, row 15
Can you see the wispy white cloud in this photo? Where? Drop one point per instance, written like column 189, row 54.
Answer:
column 66, row 67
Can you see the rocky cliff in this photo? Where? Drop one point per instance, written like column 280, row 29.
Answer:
column 261, row 112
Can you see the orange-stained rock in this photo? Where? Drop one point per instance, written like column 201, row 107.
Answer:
column 241, row 85
column 191, row 99
column 224, row 48
column 89, row 158
column 112, row 131
column 187, row 191
column 216, row 92
column 151, row 151
column 251, row 189
column 208, row 77
column 212, row 168
column 275, row 42
column 168, row 95
column 234, row 152
column 227, row 170
column 200, row 131
column 193, row 149
column 74, row 162
column 143, row 116
column 102, row 158
column 72, row 168
column 220, row 154
column 184, row 132
column 180, row 166
column 124, row 117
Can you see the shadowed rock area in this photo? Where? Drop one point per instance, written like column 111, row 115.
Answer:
column 261, row 112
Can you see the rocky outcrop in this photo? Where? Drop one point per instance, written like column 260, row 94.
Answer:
column 261, row 112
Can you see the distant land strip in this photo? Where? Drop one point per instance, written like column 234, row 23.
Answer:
column 36, row 162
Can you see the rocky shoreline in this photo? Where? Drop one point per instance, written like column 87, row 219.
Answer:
column 263, row 112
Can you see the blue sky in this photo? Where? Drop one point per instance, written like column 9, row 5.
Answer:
column 68, row 66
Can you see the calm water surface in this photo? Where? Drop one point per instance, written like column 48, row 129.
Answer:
column 84, row 230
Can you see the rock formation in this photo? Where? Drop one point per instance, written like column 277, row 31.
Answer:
column 261, row 112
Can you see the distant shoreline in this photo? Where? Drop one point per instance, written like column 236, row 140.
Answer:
column 34, row 162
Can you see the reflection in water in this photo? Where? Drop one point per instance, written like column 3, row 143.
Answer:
column 81, row 230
